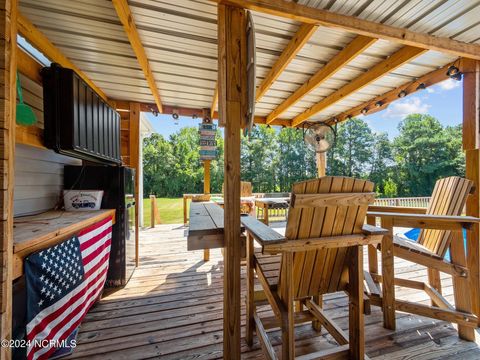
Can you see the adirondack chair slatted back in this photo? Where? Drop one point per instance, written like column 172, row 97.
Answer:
column 448, row 198
column 321, row 271
column 246, row 189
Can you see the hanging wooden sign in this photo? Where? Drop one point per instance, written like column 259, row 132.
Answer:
column 208, row 144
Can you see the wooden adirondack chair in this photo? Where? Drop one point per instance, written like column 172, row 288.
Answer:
column 320, row 253
column 442, row 227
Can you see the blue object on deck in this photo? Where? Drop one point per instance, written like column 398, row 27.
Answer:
column 413, row 234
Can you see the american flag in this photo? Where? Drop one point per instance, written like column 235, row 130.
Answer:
column 63, row 282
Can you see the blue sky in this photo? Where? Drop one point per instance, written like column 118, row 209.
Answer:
column 443, row 101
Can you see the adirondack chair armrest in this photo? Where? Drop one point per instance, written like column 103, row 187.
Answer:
column 398, row 209
column 262, row 233
column 425, row 221
column 327, row 242
column 373, row 230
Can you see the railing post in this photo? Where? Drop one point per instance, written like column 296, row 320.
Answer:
column 153, row 210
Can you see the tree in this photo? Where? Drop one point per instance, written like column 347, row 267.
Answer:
column 424, row 152
column 381, row 162
column 295, row 161
column 352, row 153
column 259, row 157
column 158, row 163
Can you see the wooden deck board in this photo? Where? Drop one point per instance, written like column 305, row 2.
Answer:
column 172, row 309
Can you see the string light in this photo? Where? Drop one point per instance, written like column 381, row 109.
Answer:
column 402, row 94
column 378, row 104
column 421, row 86
column 364, row 111
column 454, row 73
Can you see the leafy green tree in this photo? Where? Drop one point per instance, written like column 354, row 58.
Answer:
column 259, row 158
column 352, row 153
column 390, row 188
column 295, row 161
column 158, row 163
column 382, row 161
column 424, row 152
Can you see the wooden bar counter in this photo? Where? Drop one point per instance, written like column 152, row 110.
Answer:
column 37, row 232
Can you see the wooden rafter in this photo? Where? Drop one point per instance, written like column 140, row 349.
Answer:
column 384, row 100
column 399, row 58
column 306, row 14
column 295, row 44
column 358, row 45
column 126, row 18
column 43, row 44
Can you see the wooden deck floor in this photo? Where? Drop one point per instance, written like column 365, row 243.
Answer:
column 172, row 309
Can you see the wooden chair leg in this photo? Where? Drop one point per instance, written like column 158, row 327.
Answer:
column 250, row 306
column 460, row 285
column 288, row 324
column 372, row 251
column 356, row 318
column 434, row 281
column 317, row 325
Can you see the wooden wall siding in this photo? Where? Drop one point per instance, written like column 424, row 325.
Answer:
column 38, row 179
column 8, row 65
column 38, row 172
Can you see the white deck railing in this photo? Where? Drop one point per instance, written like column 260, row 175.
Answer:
column 403, row 202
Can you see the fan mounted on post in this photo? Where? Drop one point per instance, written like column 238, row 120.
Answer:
column 319, row 137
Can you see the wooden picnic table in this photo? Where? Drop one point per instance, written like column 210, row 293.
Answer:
column 271, row 203
column 206, row 227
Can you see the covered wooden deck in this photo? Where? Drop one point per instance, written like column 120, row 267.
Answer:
column 172, row 309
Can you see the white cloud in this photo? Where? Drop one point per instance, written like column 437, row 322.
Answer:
column 430, row 90
column 413, row 105
column 449, row 84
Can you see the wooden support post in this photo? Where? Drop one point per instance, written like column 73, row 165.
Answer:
column 321, row 164
column 471, row 145
column 356, row 326
column 206, row 190
column 153, row 210
column 206, row 177
column 388, row 274
column 460, row 285
column 232, row 104
column 134, row 147
column 8, row 45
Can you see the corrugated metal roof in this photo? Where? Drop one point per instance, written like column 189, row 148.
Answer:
column 180, row 40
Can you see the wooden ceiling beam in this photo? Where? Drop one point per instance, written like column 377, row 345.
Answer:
column 305, row 31
column 126, row 18
column 28, row 66
column 192, row 112
column 382, row 101
column 357, row 46
column 45, row 46
column 402, row 56
column 295, row 44
column 306, row 14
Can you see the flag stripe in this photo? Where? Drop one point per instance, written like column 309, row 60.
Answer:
column 67, row 321
column 53, row 308
column 55, row 316
column 60, row 319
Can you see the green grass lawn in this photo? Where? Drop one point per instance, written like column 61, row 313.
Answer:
column 171, row 211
